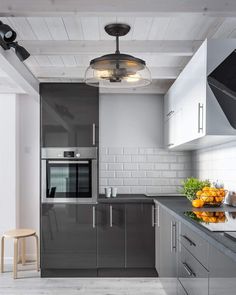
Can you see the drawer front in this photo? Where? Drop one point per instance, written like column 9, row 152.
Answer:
column 195, row 244
column 192, row 275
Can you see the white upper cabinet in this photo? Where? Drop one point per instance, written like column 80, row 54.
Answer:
column 193, row 115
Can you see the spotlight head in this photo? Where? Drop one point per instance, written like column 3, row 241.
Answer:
column 8, row 35
column 21, row 52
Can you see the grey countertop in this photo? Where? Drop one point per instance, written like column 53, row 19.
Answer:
column 125, row 198
column 178, row 205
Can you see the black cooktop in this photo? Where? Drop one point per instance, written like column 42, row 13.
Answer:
column 217, row 221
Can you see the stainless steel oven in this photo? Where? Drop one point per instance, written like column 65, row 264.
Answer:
column 69, row 175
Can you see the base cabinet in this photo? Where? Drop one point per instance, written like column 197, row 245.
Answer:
column 111, row 235
column 140, row 236
column 68, row 236
column 222, row 273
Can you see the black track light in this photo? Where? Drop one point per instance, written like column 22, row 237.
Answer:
column 7, row 38
column 21, row 52
column 6, row 32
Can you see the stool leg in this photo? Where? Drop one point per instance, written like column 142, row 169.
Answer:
column 37, row 252
column 2, row 254
column 23, row 251
column 15, row 258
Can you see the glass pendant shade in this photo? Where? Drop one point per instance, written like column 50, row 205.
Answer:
column 117, row 71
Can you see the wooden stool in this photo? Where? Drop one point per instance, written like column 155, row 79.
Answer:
column 17, row 234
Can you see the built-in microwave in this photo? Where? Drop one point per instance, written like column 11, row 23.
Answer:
column 69, row 175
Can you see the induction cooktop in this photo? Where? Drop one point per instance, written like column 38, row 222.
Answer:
column 216, row 221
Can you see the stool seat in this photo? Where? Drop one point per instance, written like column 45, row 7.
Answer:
column 19, row 233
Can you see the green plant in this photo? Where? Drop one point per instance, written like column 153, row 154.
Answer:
column 192, row 185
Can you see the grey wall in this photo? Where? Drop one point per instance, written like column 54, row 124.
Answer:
column 130, row 120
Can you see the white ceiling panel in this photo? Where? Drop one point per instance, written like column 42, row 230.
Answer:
column 69, row 60
column 90, row 27
column 22, row 27
column 227, row 29
column 158, row 28
column 56, row 28
column 56, row 60
column 73, row 28
column 43, row 60
column 103, row 21
column 39, row 28
column 129, row 21
column 142, row 27
column 31, row 61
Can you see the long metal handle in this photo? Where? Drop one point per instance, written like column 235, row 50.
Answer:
column 170, row 144
column 68, row 162
column 94, row 217
column 170, row 113
column 200, row 117
column 191, row 243
column 158, row 215
column 94, row 133
column 188, row 270
column 153, row 216
column 111, row 222
column 175, row 235
column 171, row 236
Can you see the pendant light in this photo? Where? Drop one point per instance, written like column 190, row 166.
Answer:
column 117, row 70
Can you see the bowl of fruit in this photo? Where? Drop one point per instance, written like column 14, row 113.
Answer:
column 210, row 217
column 211, row 196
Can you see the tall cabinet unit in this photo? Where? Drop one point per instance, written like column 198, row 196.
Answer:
column 193, row 117
column 69, row 115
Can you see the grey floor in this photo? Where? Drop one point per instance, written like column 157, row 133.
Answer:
column 30, row 283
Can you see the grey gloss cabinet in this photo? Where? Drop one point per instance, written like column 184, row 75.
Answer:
column 69, row 115
column 68, row 236
column 140, row 236
column 111, row 235
column 168, row 244
column 222, row 273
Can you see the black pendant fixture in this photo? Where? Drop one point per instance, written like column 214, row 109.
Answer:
column 117, row 70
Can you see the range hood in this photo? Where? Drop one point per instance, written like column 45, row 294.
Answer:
column 222, row 82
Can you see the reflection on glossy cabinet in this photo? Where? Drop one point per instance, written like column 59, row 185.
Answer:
column 111, row 235
column 68, row 236
column 69, row 115
column 140, row 235
column 222, row 273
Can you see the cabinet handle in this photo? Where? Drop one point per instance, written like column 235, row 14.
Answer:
column 170, row 144
column 94, row 217
column 158, row 215
column 191, row 243
column 111, row 222
column 153, row 216
column 188, row 270
column 200, row 117
column 94, row 133
column 173, row 233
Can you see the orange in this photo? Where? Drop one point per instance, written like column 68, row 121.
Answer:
column 197, row 203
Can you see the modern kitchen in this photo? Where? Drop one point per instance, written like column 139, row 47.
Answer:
column 118, row 134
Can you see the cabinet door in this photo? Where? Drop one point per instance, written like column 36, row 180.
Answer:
column 69, row 115
column 111, row 236
column 157, row 237
column 140, row 235
column 168, row 244
column 68, row 236
column 222, row 273
column 173, row 129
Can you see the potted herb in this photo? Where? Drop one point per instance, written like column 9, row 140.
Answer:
column 192, row 185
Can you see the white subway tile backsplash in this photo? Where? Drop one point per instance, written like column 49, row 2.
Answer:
column 123, row 159
column 143, row 170
column 115, row 166
column 138, row 173
column 123, row 174
column 115, row 151
column 115, row 181
column 131, row 151
column 130, row 166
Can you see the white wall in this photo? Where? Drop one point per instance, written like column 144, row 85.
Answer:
column 217, row 163
column 129, row 120
column 132, row 156
column 8, row 166
column 28, row 177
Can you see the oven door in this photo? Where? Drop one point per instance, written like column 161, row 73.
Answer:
column 69, row 181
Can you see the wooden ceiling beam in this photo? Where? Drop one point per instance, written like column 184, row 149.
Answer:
column 104, row 7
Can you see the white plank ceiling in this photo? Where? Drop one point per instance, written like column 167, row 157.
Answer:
column 62, row 46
